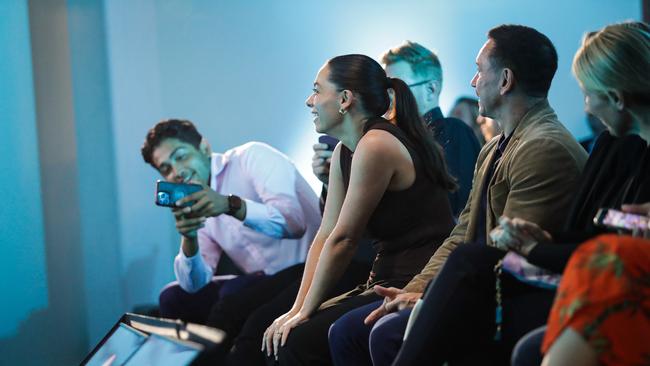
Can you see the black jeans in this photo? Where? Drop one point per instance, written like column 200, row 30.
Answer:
column 176, row 303
column 457, row 321
column 245, row 315
column 307, row 343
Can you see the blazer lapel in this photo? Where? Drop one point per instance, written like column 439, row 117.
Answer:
column 470, row 234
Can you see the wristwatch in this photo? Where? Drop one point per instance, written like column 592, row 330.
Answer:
column 234, row 204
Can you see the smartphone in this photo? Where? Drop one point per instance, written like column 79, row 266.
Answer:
column 167, row 193
column 621, row 220
column 329, row 141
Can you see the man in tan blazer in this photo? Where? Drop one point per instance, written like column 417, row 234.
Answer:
column 537, row 172
column 528, row 171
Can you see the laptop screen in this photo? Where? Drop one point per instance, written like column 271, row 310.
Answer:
column 118, row 347
column 162, row 351
column 144, row 340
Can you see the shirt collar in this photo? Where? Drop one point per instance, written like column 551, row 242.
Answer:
column 503, row 142
column 217, row 164
column 432, row 116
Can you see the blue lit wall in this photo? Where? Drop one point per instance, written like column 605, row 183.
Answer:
column 241, row 70
column 22, row 264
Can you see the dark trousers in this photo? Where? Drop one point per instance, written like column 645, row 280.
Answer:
column 237, row 314
column 246, row 315
column 457, row 321
column 307, row 343
column 354, row 343
column 176, row 303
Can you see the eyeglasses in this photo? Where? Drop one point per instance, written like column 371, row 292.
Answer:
column 419, row 83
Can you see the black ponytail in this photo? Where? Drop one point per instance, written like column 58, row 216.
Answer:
column 365, row 77
column 409, row 120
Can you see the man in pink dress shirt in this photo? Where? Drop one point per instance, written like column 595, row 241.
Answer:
column 255, row 206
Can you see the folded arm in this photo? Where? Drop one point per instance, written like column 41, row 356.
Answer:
column 274, row 177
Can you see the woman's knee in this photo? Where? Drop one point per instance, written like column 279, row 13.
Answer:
column 297, row 348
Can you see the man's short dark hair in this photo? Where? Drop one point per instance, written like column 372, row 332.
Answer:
column 528, row 53
column 180, row 129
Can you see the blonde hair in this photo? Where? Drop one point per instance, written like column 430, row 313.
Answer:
column 617, row 56
column 423, row 61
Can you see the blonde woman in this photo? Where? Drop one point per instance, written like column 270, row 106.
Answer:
column 601, row 314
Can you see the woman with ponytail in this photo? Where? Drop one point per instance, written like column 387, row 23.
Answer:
column 388, row 180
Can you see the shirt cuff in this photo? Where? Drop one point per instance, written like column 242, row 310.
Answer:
column 192, row 261
column 255, row 213
column 265, row 219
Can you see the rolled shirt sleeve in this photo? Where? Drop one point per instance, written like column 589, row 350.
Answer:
column 195, row 272
column 265, row 219
column 273, row 175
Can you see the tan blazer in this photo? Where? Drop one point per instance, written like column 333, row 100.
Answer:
column 535, row 179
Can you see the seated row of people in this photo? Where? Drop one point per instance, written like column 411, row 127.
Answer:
column 482, row 282
column 200, row 302
column 600, row 314
column 528, row 173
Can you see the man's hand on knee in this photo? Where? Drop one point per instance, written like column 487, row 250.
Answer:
column 394, row 300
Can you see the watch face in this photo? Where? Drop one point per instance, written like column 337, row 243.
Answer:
column 234, row 204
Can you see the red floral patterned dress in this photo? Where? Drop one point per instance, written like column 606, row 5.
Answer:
column 604, row 295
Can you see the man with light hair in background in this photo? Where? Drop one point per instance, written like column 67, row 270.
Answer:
column 420, row 68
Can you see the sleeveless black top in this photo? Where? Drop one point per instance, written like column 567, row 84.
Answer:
column 408, row 225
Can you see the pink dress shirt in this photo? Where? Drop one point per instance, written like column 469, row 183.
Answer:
column 282, row 216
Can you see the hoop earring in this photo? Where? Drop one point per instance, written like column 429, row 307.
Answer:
column 342, row 111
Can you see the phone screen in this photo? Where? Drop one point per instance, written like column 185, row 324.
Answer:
column 622, row 220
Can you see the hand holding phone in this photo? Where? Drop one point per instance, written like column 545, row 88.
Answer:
column 167, row 194
column 190, row 201
column 518, row 235
column 321, row 160
column 329, row 141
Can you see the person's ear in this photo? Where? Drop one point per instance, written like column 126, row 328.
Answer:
column 433, row 89
column 507, row 82
column 345, row 100
column 616, row 98
column 204, row 147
